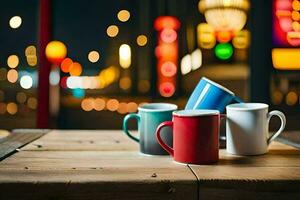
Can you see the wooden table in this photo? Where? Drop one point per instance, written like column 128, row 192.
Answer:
column 107, row 165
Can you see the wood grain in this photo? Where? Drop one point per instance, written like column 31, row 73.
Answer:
column 83, row 140
column 275, row 175
column 10, row 141
column 63, row 168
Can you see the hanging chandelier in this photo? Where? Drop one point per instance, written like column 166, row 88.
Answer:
column 225, row 15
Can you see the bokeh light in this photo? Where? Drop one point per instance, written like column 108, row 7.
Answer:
column 132, row 107
column 93, row 56
column 78, row 93
column 26, row 82
column 125, row 56
column 66, row 65
column 13, row 61
column 196, row 58
column 56, row 51
column 186, row 64
column 12, row 75
column 3, row 73
column 21, row 97
column 168, row 35
column 291, row 98
column 87, row 104
column 125, row 83
column 166, row 89
column 123, row 15
column 32, row 103
column 223, row 51
column 15, row 22
column 75, row 69
column 99, row 104
column 54, row 77
column 30, row 50
column 142, row 40
column 112, row 31
column 122, row 109
column 112, row 104
column 144, row 86
column 12, row 108
column 277, row 97
column 168, row 69
column 224, row 36
column 2, row 108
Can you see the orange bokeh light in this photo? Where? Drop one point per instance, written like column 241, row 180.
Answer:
column 66, row 65
column 75, row 69
column 56, row 51
column 224, row 36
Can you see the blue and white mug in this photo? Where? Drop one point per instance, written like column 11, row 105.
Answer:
column 211, row 95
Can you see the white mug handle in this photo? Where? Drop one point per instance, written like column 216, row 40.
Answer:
column 282, row 126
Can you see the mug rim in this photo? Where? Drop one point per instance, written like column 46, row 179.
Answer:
column 195, row 113
column 250, row 106
column 167, row 107
column 218, row 86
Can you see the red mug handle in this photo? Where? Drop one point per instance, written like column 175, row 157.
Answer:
column 160, row 141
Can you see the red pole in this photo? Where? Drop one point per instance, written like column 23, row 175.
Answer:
column 44, row 65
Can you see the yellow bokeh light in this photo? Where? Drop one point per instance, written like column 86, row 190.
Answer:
column 241, row 39
column 296, row 5
column 93, row 56
column 296, row 26
column 13, row 61
column 125, row 83
column 30, row 51
column 291, row 98
column 205, row 36
column 12, row 108
column 31, row 60
column 286, row 59
column 125, row 56
column 123, row 15
column 141, row 40
column 12, row 75
column 112, row 31
column 56, row 51
column 32, row 103
column 15, row 22
column 295, row 15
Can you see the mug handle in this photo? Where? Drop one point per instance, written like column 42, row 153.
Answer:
column 282, row 126
column 160, row 141
column 125, row 129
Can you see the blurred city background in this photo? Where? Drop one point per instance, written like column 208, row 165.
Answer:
column 85, row 64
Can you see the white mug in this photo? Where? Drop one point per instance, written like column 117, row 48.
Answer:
column 247, row 128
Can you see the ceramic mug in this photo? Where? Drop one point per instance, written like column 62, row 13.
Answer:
column 211, row 95
column 149, row 116
column 195, row 136
column 247, row 128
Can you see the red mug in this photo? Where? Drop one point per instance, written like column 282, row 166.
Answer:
column 195, row 136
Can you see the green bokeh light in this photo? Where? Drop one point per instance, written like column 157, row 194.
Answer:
column 224, row 51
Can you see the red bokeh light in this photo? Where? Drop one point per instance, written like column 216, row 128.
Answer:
column 168, row 69
column 166, row 89
column 168, row 35
column 166, row 22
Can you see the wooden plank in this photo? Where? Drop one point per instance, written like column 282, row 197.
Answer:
column 9, row 142
column 92, row 165
column 83, row 140
column 275, row 175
